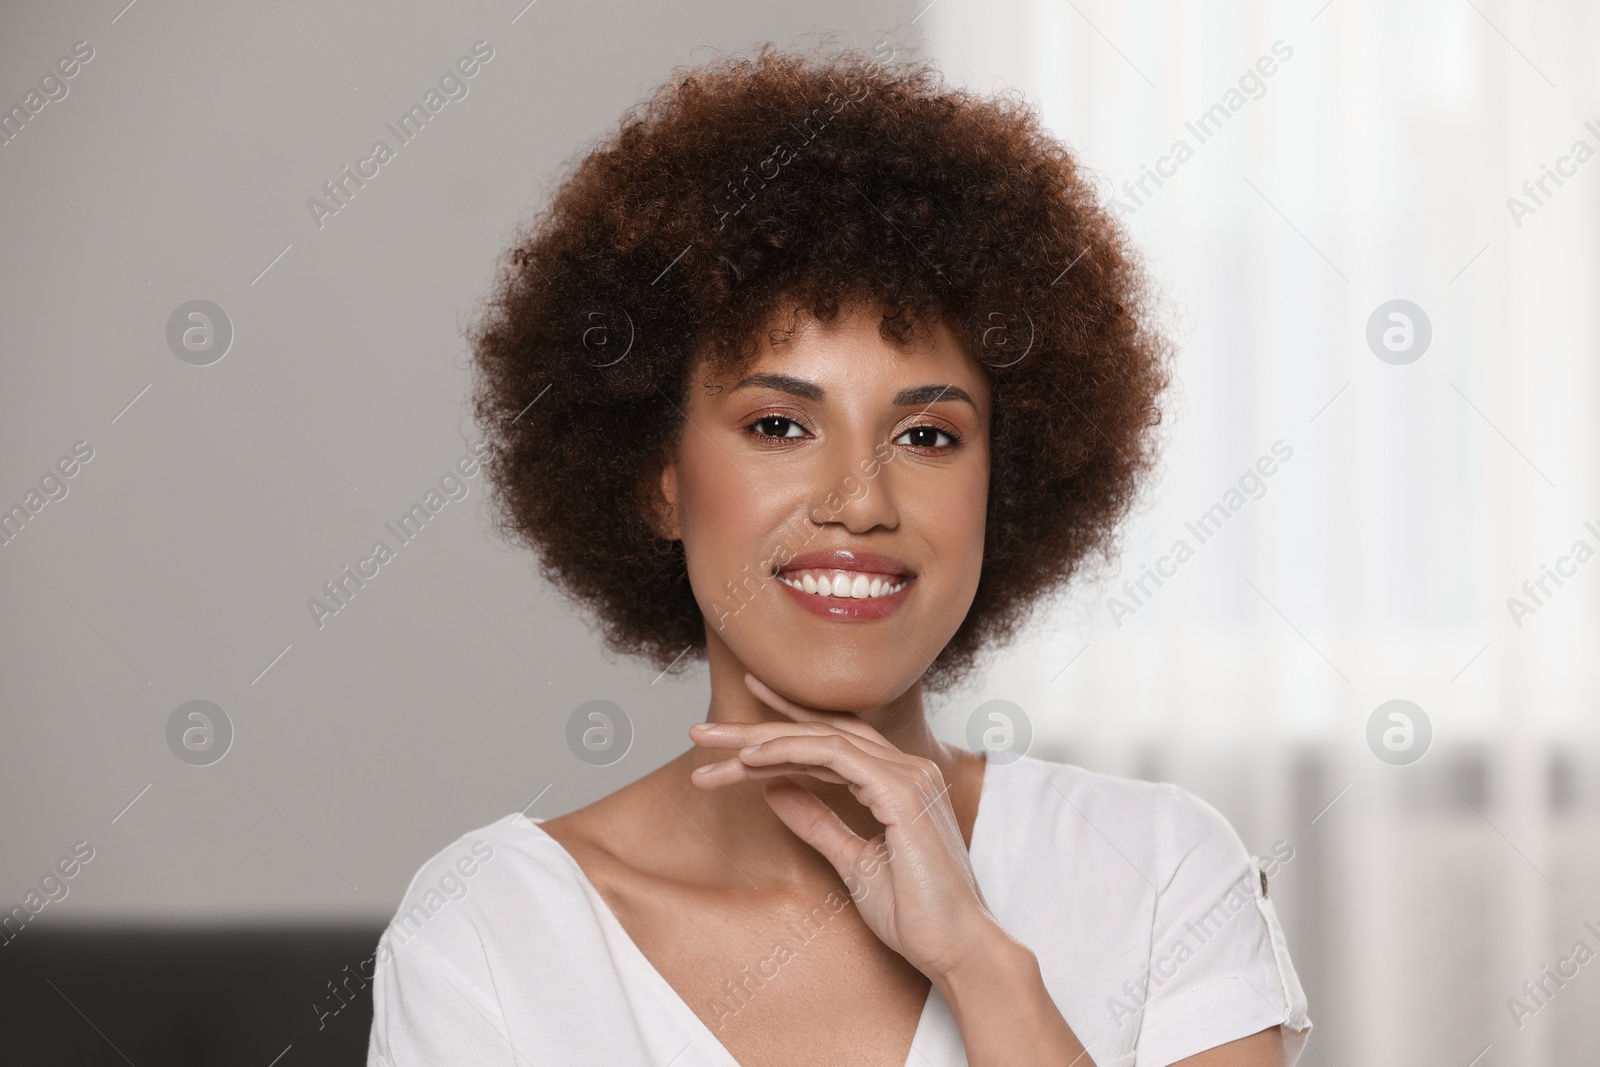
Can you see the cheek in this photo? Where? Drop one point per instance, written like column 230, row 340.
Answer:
column 960, row 531
column 724, row 520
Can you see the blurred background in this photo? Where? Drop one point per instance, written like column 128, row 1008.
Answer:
column 1375, row 224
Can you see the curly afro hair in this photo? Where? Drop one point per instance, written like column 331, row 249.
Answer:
column 741, row 192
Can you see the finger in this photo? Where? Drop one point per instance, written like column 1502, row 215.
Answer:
column 895, row 791
column 800, row 713
column 727, row 772
column 816, row 824
column 783, row 704
column 741, row 734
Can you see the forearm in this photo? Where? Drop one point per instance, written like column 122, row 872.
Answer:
column 1006, row 1016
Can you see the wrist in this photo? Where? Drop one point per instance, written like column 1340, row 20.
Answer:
column 993, row 964
column 996, row 993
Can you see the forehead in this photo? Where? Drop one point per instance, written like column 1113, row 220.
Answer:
column 849, row 353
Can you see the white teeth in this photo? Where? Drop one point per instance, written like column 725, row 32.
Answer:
column 851, row 584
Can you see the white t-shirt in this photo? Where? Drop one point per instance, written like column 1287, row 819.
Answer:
column 1148, row 918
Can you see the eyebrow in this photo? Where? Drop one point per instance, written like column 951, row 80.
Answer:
column 911, row 396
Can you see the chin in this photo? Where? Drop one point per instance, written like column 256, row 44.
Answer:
column 853, row 688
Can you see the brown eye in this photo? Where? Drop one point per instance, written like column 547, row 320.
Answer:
column 779, row 426
column 928, row 437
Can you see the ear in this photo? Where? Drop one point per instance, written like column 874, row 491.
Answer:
column 663, row 517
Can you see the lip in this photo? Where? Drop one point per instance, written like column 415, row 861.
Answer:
column 850, row 609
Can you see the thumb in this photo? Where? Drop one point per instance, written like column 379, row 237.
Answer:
column 814, row 823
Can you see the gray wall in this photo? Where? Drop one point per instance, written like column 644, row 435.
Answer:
column 178, row 564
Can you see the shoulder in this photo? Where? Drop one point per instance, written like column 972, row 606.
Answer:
column 479, row 880
column 1160, row 888
column 494, row 931
column 1074, row 784
column 1160, row 828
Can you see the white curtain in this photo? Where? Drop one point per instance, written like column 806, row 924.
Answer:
column 1341, row 156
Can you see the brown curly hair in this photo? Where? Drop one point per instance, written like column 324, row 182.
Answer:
column 741, row 191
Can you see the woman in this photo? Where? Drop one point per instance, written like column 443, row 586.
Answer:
column 828, row 373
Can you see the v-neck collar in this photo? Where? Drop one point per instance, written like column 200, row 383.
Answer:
column 617, row 933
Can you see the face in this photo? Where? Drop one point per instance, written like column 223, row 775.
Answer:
column 842, row 458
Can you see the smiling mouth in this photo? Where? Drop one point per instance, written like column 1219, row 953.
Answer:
column 844, row 584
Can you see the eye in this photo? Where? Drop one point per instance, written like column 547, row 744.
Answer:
column 928, row 437
column 780, row 426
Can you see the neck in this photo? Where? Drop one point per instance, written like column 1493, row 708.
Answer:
column 902, row 720
column 737, row 819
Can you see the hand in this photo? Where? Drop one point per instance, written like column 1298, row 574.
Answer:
column 913, row 883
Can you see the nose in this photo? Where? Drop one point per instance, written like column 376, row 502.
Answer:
column 853, row 488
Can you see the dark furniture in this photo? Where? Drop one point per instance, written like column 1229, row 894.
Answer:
column 186, row 998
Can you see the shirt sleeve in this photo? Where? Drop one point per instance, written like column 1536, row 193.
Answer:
column 433, row 1004
column 1219, row 967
